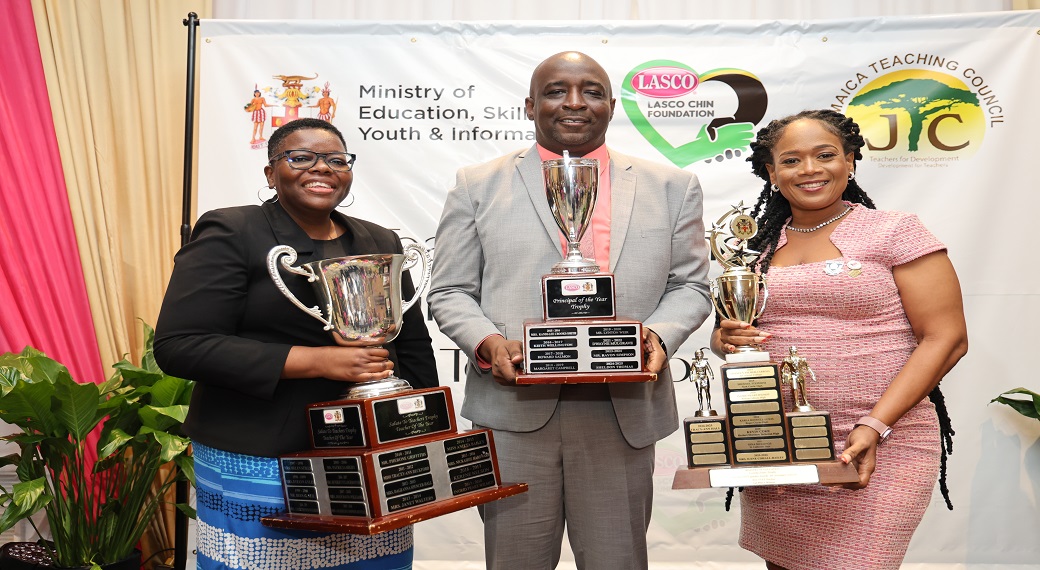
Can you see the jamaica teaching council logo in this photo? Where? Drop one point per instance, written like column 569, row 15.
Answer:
column 921, row 117
column 689, row 117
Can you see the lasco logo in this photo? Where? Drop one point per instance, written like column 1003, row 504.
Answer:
column 688, row 116
column 665, row 82
column 920, row 117
column 572, row 287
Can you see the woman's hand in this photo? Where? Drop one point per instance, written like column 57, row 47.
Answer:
column 732, row 334
column 350, row 362
column 861, row 451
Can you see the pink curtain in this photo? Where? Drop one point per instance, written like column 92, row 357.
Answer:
column 43, row 300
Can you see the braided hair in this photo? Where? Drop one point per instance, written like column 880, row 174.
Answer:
column 772, row 211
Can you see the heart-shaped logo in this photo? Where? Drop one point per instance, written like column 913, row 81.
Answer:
column 663, row 89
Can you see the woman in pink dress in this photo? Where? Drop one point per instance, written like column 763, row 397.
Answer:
column 871, row 299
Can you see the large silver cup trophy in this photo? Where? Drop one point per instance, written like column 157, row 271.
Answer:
column 386, row 456
column 571, row 185
column 361, row 295
column 739, row 293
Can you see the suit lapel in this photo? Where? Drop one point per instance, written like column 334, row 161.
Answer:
column 529, row 165
column 622, row 199
column 362, row 240
column 286, row 231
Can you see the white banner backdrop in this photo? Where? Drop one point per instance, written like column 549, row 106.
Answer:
column 946, row 103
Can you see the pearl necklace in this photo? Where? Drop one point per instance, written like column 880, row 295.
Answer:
column 816, row 227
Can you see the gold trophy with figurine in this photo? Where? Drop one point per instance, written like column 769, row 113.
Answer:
column 761, row 443
column 707, row 442
column 579, row 339
column 811, row 436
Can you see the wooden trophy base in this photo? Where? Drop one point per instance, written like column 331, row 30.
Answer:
column 585, row 378
column 766, row 445
column 808, row 473
column 367, row 491
column 329, row 523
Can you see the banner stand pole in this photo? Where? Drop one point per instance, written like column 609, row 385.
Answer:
column 182, row 489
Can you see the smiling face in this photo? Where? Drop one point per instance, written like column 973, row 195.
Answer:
column 315, row 192
column 811, row 169
column 570, row 103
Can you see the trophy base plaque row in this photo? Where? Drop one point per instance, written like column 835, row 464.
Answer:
column 583, row 352
column 370, row 491
column 386, row 461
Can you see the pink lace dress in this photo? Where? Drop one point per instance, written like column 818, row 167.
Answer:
column 845, row 316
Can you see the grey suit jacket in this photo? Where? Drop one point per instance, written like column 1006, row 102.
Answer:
column 496, row 239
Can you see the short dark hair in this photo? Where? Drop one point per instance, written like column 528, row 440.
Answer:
column 274, row 144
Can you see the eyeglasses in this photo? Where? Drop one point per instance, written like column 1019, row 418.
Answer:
column 304, row 159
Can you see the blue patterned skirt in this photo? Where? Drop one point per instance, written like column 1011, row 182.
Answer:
column 234, row 491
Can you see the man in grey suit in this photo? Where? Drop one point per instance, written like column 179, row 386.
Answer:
column 586, row 450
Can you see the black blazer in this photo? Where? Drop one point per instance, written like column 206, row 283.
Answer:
column 226, row 326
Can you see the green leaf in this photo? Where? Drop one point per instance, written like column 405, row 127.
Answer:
column 55, row 451
column 29, row 407
column 10, row 375
column 162, row 418
column 28, row 466
column 40, row 367
column 12, row 459
column 187, row 510
column 136, row 376
column 1027, row 407
column 27, row 498
column 172, row 445
column 186, row 463
column 170, row 391
column 111, row 442
column 78, row 407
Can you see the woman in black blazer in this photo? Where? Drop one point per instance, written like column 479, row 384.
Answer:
column 258, row 361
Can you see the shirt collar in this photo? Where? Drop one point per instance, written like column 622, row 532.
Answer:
column 600, row 153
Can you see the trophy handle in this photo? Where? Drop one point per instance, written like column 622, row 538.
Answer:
column 765, row 295
column 715, row 299
column 289, row 258
column 416, row 253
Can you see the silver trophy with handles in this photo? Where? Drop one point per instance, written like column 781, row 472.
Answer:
column 571, row 187
column 386, row 456
column 361, row 295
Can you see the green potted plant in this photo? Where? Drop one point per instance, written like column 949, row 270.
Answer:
column 96, row 513
column 1028, row 407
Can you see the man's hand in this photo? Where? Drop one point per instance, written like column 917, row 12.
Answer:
column 656, row 357
column 505, row 356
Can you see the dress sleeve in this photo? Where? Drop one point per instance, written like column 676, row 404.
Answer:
column 909, row 240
